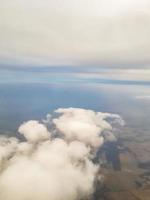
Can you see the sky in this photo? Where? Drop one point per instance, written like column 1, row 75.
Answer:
column 77, row 55
column 103, row 33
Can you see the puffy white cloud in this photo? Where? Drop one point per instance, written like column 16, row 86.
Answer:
column 73, row 122
column 33, row 131
column 7, row 148
column 42, row 168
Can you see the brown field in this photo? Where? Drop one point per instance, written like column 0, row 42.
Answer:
column 133, row 181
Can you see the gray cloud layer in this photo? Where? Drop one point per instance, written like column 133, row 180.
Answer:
column 75, row 32
column 54, row 163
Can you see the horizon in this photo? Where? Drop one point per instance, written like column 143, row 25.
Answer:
column 74, row 100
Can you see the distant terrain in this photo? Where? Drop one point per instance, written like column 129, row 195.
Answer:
column 132, row 180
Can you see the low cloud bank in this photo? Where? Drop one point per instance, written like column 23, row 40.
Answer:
column 55, row 160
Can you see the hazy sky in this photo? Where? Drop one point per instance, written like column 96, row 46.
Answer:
column 112, row 33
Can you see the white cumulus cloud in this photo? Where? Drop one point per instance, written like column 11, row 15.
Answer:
column 57, row 167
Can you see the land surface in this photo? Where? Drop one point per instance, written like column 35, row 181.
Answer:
column 131, row 180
